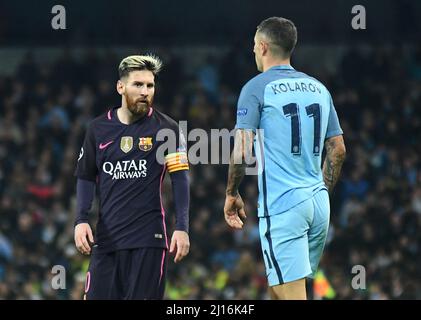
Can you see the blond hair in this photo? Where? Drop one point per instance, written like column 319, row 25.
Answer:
column 139, row 62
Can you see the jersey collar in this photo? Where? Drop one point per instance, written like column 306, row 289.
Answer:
column 281, row 67
column 112, row 115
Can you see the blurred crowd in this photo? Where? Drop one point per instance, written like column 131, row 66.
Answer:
column 376, row 206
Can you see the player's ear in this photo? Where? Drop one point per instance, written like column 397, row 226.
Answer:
column 120, row 87
column 264, row 46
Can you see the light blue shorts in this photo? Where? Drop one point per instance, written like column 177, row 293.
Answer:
column 293, row 241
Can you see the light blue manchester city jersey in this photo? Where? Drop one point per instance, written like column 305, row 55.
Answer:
column 297, row 114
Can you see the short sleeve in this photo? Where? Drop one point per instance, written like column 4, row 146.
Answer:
column 249, row 106
column 86, row 164
column 333, row 126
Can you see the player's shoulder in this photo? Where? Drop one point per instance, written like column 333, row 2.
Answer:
column 320, row 84
column 256, row 85
column 258, row 81
column 261, row 80
column 103, row 118
column 165, row 120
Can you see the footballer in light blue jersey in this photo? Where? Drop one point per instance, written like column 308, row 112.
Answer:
column 296, row 114
column 289, row 117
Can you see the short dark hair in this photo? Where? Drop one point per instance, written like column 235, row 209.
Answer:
column 146, row 62
column 281, row 33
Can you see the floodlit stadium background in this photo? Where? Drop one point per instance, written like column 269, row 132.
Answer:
column 53, row 82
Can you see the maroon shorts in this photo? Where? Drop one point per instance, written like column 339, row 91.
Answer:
column 132, row 274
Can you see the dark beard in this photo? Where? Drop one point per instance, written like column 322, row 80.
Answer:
column 138, row 108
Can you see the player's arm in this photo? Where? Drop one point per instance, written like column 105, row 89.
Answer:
column 85, row 191
column 335, row 156
column 248, row 119
column 86, row 172
column 178, row 168
column 243, row 149
column 335, row 149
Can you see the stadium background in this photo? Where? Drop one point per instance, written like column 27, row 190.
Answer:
column 53, row 82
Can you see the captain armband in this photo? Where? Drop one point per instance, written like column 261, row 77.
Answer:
column 177, row 161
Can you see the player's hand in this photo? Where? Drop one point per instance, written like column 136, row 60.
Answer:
column 233, row 210
column 83, row 235
column 180, row 241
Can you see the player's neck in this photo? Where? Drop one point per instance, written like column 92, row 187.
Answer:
column 275, row 62
column 126, row 116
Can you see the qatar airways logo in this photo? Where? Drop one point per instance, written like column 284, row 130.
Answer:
column 128, row 169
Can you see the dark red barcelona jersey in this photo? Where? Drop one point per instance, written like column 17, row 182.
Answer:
column 123, row 161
